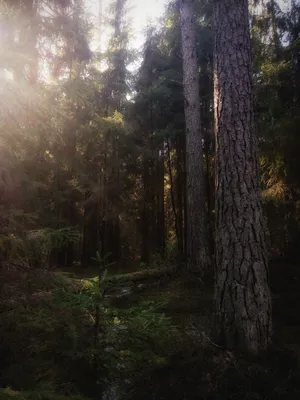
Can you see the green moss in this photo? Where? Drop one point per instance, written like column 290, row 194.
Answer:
column 142, row 275
column 9, row 394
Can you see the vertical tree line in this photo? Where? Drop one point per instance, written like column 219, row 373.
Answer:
column 124, row 164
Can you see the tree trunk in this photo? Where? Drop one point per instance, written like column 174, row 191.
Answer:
column 274, row 26
column 242, row 318
column 32, row 36
column 90, row 231
column 145, row 212
column 172, row 195
column 184, row 179
column 160, row 173
column 198, row 253
column 180, row 189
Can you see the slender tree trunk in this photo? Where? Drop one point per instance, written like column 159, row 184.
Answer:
column 274, row 25
column 115, row 242
column 32, row 42
column 90, row 230
column 180, row 190
column 160, row 174
column 104, row 203
column 91, row 221
column 242, row 318
column 207, row 126
column 172, row 195
column 210, row 203
column 153, row 198
column 85, row 236
column 198, row 253
column 184, row 187
column 145, row 212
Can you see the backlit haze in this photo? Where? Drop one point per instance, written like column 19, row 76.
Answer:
column 141, row 12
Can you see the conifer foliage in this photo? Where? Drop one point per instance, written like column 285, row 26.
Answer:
column 108, row 157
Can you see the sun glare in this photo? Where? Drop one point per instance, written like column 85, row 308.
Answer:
column 141, row 12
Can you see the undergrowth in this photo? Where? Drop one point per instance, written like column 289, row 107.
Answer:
column 51, row 344
column 55, row 343
column 9, row 394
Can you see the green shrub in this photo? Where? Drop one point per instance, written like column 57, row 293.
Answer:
column 33, row 247
column 56, row 344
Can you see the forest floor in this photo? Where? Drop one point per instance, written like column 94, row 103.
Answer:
column 186, row 297
column 50, row 325
column 285, row 286
column 189, row 302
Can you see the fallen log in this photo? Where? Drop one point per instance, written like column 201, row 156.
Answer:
column 147, row 274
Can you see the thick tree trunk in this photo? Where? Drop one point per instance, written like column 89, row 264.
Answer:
column 197, row 247
column 242, row 318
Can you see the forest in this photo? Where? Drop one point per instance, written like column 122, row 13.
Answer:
column 149, row 200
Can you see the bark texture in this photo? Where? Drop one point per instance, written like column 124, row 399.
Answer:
column 242, row 318
column 197, row 246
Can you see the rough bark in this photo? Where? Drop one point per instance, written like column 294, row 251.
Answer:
column 242, row 318
column 197, row 247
